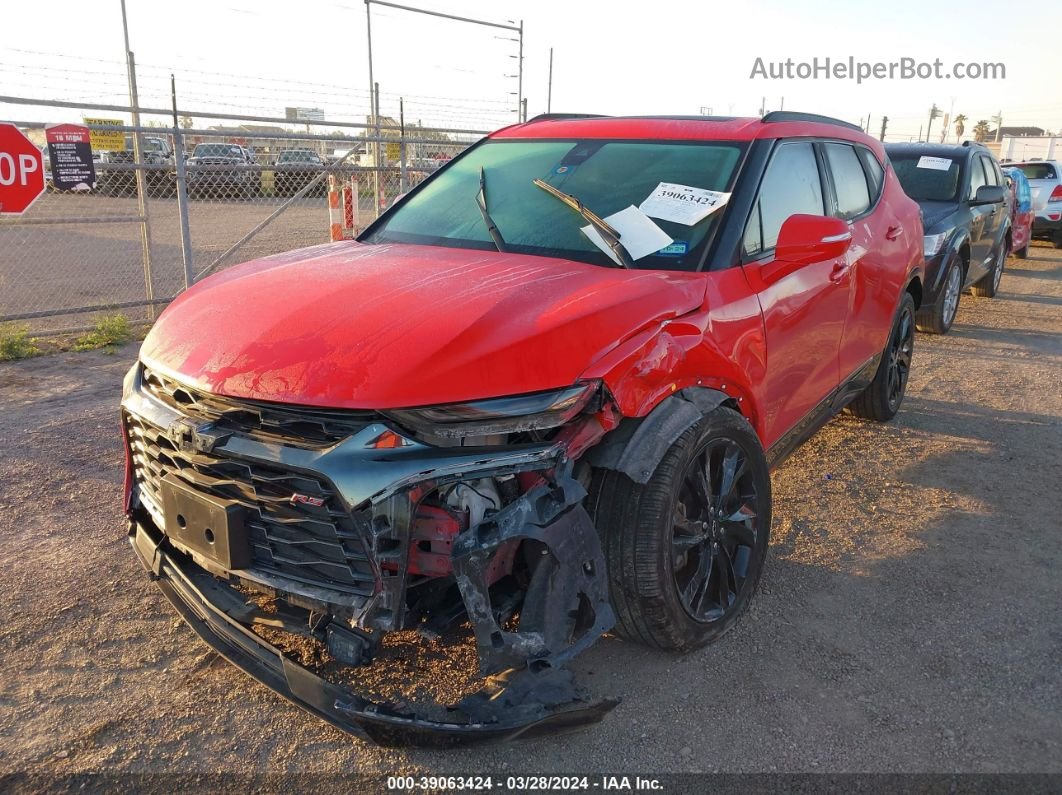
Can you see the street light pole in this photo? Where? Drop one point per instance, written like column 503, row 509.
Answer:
column 549, row 91
column 373, row 111
column 138, row 164
column 519, row 29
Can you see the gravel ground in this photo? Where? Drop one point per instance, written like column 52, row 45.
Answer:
column 908, row 618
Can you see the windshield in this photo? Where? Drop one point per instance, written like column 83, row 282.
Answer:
column 150, row 144
column 1037, row 170
column 216, row 150
column 607, row 176
column 298, row 156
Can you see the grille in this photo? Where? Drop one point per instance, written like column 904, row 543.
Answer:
column 296, row 426
column 322, row 545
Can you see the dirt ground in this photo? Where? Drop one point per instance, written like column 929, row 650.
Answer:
column 908, row 619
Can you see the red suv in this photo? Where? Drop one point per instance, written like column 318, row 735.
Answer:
column 542, row 394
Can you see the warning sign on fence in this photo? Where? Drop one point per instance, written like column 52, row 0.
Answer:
column 71, row 156
column 106, row 140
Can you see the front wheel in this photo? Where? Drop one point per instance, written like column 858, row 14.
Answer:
column 988, row 286
column 685, row 551
column 937, row 319
column 881, row 400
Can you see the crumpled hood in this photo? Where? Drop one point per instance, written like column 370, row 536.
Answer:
column 348, row 325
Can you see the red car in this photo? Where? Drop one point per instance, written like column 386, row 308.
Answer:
column 542, row 394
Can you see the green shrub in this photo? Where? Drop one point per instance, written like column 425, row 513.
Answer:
column 111, row 330
column 16, row 343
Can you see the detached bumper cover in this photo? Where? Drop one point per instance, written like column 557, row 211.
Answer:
column 189, row 589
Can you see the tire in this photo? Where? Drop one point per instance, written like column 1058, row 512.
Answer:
column 881, row 400
column 988, row 286
column 1057, row 240
column 666, row 535
column 937, row 319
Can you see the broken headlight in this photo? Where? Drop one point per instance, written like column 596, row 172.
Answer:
column 536, row 411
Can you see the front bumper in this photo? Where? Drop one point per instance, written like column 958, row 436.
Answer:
column 370, row 495
column 189, row 590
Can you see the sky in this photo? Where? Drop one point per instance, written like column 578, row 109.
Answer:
column 618, row 57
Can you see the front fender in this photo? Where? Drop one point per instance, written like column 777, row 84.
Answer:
column 638, row 445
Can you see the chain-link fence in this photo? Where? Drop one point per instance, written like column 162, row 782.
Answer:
column 204, row 194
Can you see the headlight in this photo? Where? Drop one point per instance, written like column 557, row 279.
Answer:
column 931, row 244
column 537, row 411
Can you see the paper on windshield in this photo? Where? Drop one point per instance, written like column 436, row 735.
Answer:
column 638, row 234
column 935, row 163
column 682, row 204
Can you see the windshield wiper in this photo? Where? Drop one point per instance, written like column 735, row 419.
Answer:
column 610, row 235
column 481, row 202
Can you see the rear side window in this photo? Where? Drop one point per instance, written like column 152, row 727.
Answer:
column 976, row 177
column 849, row 180
column 993, row 177
column 791, row 186
column 875, row 173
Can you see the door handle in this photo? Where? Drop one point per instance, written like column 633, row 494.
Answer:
column 839, row 272
column 893, row 232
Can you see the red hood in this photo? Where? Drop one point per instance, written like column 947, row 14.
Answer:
column 348, row 325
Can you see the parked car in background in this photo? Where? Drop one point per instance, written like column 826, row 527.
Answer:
column 1045, row 181
column 541, row 394
column 963, row 197
column 220, row 170
column 295, row 168
column 1022, row 215
column 116, row 174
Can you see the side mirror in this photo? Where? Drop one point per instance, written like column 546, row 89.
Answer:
column 804, row 239
column 987, row 194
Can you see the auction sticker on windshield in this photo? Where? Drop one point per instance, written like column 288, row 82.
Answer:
column 935, row 163
column 682, row 204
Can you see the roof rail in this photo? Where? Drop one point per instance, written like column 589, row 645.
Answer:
column 562, row 116
column 968, row 142
column 787, row 115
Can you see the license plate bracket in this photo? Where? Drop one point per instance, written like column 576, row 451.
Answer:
column 211, row 526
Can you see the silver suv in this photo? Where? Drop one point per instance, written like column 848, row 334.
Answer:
column 1045, row 180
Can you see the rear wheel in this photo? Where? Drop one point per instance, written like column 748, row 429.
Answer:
column 881, row 400
column 937, row 319
column 989, row 284
column 685, row 551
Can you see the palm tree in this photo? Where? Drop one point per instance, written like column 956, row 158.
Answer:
column 981, row 130
column 960, row 126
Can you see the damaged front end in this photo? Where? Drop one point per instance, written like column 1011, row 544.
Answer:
column 354, row 525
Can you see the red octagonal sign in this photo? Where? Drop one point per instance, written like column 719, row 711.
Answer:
column 21, row 171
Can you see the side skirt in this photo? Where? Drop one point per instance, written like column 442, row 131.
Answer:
column 826, row 410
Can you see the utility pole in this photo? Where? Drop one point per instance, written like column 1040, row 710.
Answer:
column 933, row 113
column 998, row 119
column 549, row 91
column 884, row 124
column 763, row 106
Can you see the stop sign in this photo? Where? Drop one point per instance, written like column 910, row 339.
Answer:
column 21, row 171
